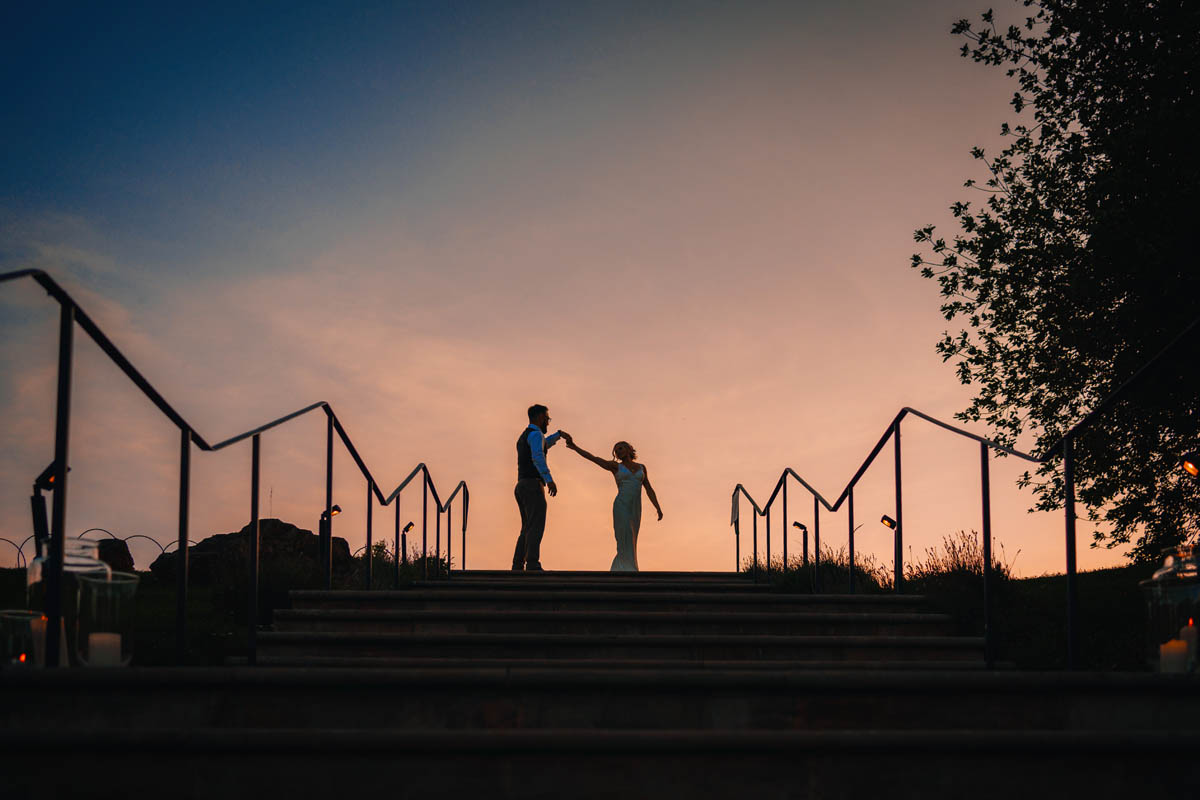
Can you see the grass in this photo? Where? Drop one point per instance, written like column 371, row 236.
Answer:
column 1028, row 614
column 217, row 614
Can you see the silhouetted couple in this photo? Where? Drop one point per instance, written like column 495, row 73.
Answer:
column 533, row 479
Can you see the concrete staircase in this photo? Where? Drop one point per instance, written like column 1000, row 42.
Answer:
column 597, row 685
column 615, row 621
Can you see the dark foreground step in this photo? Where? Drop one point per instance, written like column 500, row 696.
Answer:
column 664, row 698
column 594, row 575
column 567, row 646
column 789, row 623
column 606, row 664
column 548, row 582
column 594, row 764
column 459, row 596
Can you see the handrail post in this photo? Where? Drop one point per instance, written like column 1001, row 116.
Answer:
column 1069, row 508
column 737, row 545
column 851, row 508
column 449, row 539
column 437, row 534
column 754, row 513
column 326, row 544
column 370, row 554
column 816, row 544
column 252, row 548
column 425, row 524
column 62, row 429
column 898, row 544
column 768, row 518
column 181, row 574
column 986, row 497
column 785, row 522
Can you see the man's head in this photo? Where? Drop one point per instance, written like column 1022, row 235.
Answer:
column 539, row 415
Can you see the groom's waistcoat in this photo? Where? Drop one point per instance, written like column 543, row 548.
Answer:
column 525, row 467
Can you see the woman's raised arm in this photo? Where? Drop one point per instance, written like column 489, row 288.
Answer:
column 611, row 466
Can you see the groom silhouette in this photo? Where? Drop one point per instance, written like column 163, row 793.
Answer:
column 532, row 475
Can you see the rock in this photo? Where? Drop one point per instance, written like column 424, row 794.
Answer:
column 285, row 553
column 115, row 553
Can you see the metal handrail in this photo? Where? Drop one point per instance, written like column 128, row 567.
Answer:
column 1064, row 444
column 72, row 314
column 428, row 488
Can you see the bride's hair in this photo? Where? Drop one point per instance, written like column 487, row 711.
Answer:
column 632, row 452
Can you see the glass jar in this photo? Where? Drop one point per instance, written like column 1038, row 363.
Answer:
column 1173, row 608
column 17, row 648
column 81, row 557
column 106, row 619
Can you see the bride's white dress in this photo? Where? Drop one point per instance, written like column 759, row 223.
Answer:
column 627, row 518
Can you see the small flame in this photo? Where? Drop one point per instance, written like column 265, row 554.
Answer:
column 1190, row 622
column 21, row 658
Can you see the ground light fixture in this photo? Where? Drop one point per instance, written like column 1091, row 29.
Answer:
column 404, row 544
column 37, row 503
column 888, row 522
column 1191, row 464
column 45, row 481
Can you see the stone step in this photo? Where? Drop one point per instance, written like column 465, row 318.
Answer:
column 460, row 596
column 665, row 647
column 599, row 764
column 547, row 581
column 609, row 665
column 613, row 622
column 483, row 698
column 594, row 576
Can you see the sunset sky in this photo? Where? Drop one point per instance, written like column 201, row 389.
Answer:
column 684, row 224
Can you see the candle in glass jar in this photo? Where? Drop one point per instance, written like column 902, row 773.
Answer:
column 37, row 627
column 104, row 650
column 1172, row 656
column 1191, row 635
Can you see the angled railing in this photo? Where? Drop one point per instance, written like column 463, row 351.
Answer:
column 1064, row 446
column 71, row 314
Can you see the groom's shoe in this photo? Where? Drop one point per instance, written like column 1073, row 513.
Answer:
column 534, row 568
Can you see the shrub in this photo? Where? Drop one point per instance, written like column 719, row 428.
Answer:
column 831, row 576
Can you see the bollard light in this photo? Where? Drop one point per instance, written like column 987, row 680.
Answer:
column 1191, row 464
column 888, row 522
column 45, row 481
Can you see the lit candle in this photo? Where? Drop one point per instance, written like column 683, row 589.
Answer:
column 1172, row 656
column 1190, row 634
column 38, row 626
column 104, row 650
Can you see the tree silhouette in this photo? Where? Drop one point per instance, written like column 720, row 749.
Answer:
column 1080, row 262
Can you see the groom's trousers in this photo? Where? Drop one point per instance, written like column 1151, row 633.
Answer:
column 531, row 499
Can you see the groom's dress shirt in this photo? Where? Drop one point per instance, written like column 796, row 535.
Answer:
column 538, row 445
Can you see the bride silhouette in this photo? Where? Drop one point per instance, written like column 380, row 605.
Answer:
column 631, row 477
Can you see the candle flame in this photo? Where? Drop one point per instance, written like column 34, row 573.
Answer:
column 1190, row 622
column 21, row 658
